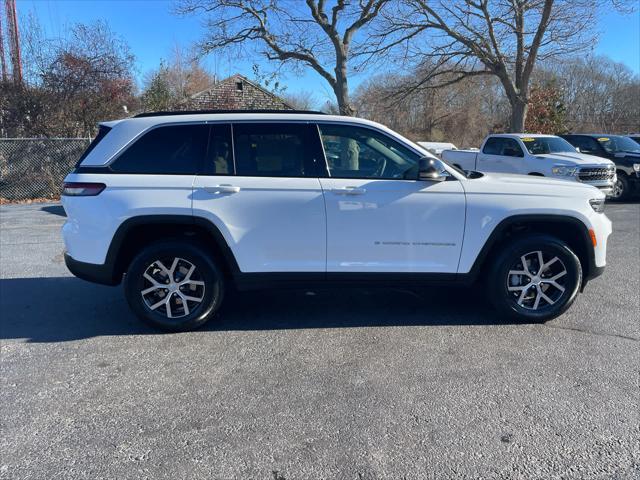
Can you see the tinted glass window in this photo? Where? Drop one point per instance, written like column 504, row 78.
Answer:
column 220, row 156
column 173, row 149
column 585, row 144
column 502, row 146
column 356, row 152
column 511, row 148
column 102, row 132
column 493, row 146
column 270, row 149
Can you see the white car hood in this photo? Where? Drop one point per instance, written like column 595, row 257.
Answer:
column 507, row 183
column 576, row 158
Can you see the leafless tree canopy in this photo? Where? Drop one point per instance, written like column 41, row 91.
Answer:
column 71, row 83
column 582, row 94
column 504, row 38
column 307, row 33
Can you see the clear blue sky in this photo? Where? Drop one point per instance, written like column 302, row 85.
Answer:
column 152, row 31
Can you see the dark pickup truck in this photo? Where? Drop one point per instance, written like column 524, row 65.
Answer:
column 623, row 151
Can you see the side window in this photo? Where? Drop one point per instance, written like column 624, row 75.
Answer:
column 220, row 155
column 357, row 152
column 511, row 148
column 175, row 149
column 586, row 144
column 493, row 146
column 271, row 149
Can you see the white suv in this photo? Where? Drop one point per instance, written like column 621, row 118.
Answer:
column 184, row 206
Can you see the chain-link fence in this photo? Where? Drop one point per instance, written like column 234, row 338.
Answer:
column 33, row 168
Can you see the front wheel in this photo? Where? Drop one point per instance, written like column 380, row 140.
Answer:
column 620, row 189
column 174, row 286
column 534, row 279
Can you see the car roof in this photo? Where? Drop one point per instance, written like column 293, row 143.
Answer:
column 217, row 112
column 522, row 135
column 597, row 134
column 126, row 130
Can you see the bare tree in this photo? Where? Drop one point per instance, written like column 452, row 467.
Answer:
column 503, row 38
column 600, row 95
column 308, row 34
column 462, row 113
column 71, row 83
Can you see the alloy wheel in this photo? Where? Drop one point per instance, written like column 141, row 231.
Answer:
column 174, row 291
column 618, row 189
column 534, row 282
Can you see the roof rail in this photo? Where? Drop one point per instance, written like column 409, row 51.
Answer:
column 200, row 112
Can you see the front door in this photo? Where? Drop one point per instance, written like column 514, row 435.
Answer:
column 501, row 154
column 379, row 217
column 260, row 188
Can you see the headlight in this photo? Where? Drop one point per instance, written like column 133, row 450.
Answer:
column 563, row 170
column 636, row 167
column 597, row 204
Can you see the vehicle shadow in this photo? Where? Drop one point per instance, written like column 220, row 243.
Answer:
column 55, row 210
column 66, row 308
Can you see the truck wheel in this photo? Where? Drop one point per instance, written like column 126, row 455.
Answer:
column 534, row 279
column 174, row 286
column 620, row 189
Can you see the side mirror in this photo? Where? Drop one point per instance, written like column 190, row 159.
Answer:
column 431, row 170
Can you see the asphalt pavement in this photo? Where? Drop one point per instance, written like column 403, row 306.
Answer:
column 347, row 384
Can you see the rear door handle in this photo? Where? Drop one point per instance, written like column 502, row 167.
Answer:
column 222, row 189
column 349, row 191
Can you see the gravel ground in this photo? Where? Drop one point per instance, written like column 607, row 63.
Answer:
column 352, row 384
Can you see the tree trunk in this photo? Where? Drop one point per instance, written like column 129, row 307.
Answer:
column 519, row 109
column 341, row 90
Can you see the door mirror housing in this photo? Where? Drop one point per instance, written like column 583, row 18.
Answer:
column 431, row 170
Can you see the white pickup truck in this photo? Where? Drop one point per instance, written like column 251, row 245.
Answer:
column 539, row 155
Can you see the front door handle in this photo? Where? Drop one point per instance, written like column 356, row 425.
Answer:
column 349, row 191
column 222, row 189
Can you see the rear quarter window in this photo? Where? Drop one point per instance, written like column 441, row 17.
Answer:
column 174, row 149
column 102, row 132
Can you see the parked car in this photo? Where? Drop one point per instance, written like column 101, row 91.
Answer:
column 537, row 155
column 622, row 150
column 437, row 147
column 183, row 207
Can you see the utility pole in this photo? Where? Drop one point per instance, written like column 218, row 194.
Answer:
column 3, row 61
column 14, row 40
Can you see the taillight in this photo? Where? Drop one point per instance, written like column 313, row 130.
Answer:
column 78, row 189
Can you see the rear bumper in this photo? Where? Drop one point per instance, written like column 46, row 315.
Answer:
column 91, row 272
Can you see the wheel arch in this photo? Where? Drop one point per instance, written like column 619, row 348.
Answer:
column 568, row 229
column 136, row 232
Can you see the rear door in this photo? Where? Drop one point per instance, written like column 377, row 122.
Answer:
column 259, row 186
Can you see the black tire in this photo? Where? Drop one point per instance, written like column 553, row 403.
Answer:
column 621, row 188
column 506, row 302
column 206, row 274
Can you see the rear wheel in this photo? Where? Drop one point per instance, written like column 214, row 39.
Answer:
column 174, row 286
column 535, row 279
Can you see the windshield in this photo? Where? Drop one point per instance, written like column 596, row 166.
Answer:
column 542, row 145
column 617, row 144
